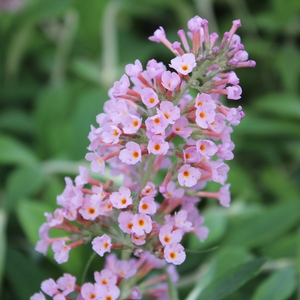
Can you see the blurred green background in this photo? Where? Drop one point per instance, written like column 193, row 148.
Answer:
column 58, row 60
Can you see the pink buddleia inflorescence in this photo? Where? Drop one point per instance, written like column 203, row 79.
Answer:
column 165, row 144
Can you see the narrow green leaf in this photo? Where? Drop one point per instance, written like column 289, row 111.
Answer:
column 31, row 216
column 13, row 152
column 23, row 275
column 266, row 226
column 2, row 245
column 24, row 182
column 279, row 286
column 231, row 281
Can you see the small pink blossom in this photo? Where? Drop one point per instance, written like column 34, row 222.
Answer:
column 91, row 291
column 131, row 123
column 149, row 189
column 105, row 277
column 156, row 124
column 171, row 112
column 121, row 199
column 125, row 221
column 172, row 192
column 159, row 34
column 49, row 287
column 181, row 221
column 157, row 145
column 168, row 236
column 90, row 209
column 174, row 254
column 147, row 205
column 110, row 134
column 188, row 176
column 205, row 115
column 184, row 64
column 141, row 224
column 83, row 177
column 134, row 69
column 149, row 97
column 206, row 148
column 61, row 251
column 125, row 269
column 102, row 244
column 138, row 239
column 97, row 163
column 180, row 127
column 38, row 296
column 120, row 87
column 234, row 92
column 224, row 195
column 155, row 69
column 170, row 80
column 202, row 99
column 66, row 284
column 132, row 154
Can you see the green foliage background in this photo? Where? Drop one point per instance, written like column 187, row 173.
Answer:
column 58, row 60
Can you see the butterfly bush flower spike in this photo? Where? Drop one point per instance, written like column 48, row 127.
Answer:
column 157, row 121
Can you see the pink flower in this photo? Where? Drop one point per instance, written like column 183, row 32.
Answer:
column 132, row 154
column 120, row 87
column 66, row 284
column 172, row 192
column 38, row 296
column 202, row 99
column 155, row 69
column 224, row 195
column 191, row 155
column 171, row 112
column 134, row 69
column 184, row 64
column 149, row 189
column 125, row 221
column 138, row 239
column 110, row 134
column 206, row 148
column 141, row 224
column 156, row 124
column 147, row 205
column 125, row 269
column 149, row 97
column 90, row 209
column 91, row 291
column 200, row 231
column 168, row 236
column 181, row 222
column 101, row 244
column 188, row 176
column 110, row 292
column 205, row 115
column 219, row 172
column 170, row 80
column 121, row 199
column 180, row 127
column 234, row 92
column 106, row 277
column 157, row 145
column 131, row 123
column 174, row 254
column 159, row 34
column 49, row 287
column 97, row 163
column 194, row 24
column 83, row 177
column 61, row 251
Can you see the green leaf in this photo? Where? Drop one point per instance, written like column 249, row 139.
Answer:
column 231, row 281
column 23, row 275
column 22, row 183
column 15, row 153
column 266, row 226
column 279, row 286
column 3, row 218
column 31, row 216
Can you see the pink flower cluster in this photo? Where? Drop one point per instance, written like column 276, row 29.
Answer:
column 166, row 145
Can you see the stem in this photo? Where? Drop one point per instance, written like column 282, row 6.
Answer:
column 87, row 267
